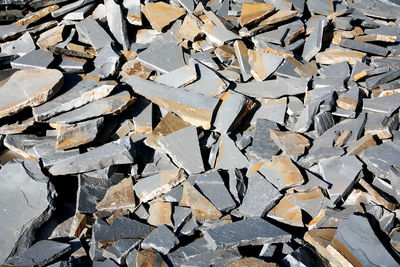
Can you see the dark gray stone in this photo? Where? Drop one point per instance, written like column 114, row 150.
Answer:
column 161, row 239
column 91, row 30
column 107, row 62
column 263, row 146
column 37, row 59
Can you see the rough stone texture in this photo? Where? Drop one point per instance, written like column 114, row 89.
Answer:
column 118, row 152
column 43, row 84
column 161, row 239
column 119, row 196
column 193, row 108
column 30, row 197
column 161, row 14
column 253, row 231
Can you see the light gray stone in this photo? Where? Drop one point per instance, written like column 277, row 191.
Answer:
column 75, row 93
column 120, row 249
column 263, row 146
column 385, row 104
column 27, row 199
column 161, row 239
column 180, row 217
column 252, row 231
column 237, row 185
column 80, row 14
column 267, row 89
column 37, row 59
column 117, row 23
column 72, row 65
column 70, row 7
column 229, row 156
column 134, row 12
column 121, row 151
column 23, row 144
column 187, row 157
column 260, row 197
column 113, row 104
column 107, row 62
column 21, row 46
column 179, row 77
column 342, row 173
column 91, row 30
column 163, row 57
column 229, row 111
column 314, row 41
column 323, row 121
column 49, row 155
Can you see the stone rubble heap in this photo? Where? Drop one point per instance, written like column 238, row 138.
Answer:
column 200, row 133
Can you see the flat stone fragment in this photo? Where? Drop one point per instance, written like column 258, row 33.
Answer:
column 291, row 207
column 51, row 37
column 163, row 57
column 23, row 144
column 154, row 186
column 121, row 151
column 191, row 28
column 48, row 155
column 120, row 249
column 263, row 146
column 361, row 144
column 40, row 254
column 342, row 173
column 133, row 16
column 249, row 261
column 233, row 107
column 179, row 77
column 74, row 94
column 333, row 56
column 37, row 59
column 290, row 142
column 229, row 156
column 106, row 63
column 117, row 23
column 272, row 110
column 212, row 186
column 379, row 158
column 305, row 256
column 187, row 157
column 314, row 42
column 323, row 121
column 192, row 107
column 253, row 12
column 252, row 231
column 280, row 171
column 161, row 240
column 17, row 127
column 363, row 47
column 70, row 7
column 260, row 197
column 180, row 217
column 218, row 34
column 80, row 13
column 120, row 228
column 91, row 30
column 119, row 196
column 43, row 84
column 350, row 238
column 242, row 56
column 27, row 202
column 35, row 16
column 161, row 14
column 73, row 65
column 160, row 213
column 263, row 65
column 21, row 46
column 113, row 104
column 385, row 104
column 268, row 88
column 202, row 208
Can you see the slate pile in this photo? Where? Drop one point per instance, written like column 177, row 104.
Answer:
column 199, row 133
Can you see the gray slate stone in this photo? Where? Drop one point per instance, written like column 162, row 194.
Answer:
column 181, row 216
column 252, row 231
column 163, row 57
column 40, row 254
column 187, row 157
column 21, row 46
column 121, row 151
column 385, row 104
column 117, row 23
column 161, row 239
column 81, row 13
column 314, row 41
column 113, row 104
column 342, row 173
column 70, row 7
column 260, row 197
column 27, row 199
column 237, row 185
column 91, row 30
column 323, row 121
column 229, row 156
column 23, row 144
column 119, row 251
column 212, row 186
column 263, row 146
column 120, row 228
column 74, row 94
column 107, row 62
column 267, row 89
column 364, row 47
column 37, row 59
column 179, row 77
column 357, row 236
column 229, row 111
